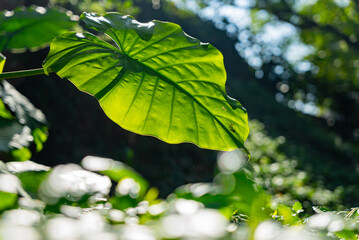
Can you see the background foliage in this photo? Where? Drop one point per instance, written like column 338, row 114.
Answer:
column 292, row 64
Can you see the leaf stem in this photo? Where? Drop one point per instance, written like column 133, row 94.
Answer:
column 23, row 73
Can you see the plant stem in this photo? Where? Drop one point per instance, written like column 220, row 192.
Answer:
column 23, row 73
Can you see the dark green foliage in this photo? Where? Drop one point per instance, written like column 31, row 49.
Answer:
column 269, row 197
column 33, row 27
column 69, row 195
column 21, row 124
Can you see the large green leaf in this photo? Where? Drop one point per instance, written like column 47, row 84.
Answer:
column 31, row 27
column 154, row 80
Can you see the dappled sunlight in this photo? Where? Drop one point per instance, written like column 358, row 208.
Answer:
column 18, row 167
column 116, row 216
column 72, row 182
column 134, row 232
column 29, row 203
column 187, row 207
column 281, row 167
column 93, row 163
column 193, row 221
column 128, row 186
column 183, row 215
column 9, row 183
column 322, row 220
column 62, row 228
column 274, row 231
column 267, row 231
column 280, row 174
column 230, row 162
column 70, row 211
column 22, row 217
column 157, row 209
column 16, row 232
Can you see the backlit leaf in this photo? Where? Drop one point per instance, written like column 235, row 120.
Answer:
column 154, row 80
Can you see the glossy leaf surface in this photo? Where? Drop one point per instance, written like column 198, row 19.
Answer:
column 33, row 27
column 153, row 80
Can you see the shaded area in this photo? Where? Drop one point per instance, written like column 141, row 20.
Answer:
column 319, row 150
column 78, row 126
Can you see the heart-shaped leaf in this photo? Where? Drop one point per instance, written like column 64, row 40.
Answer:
column 153, row 80
column 33, row 27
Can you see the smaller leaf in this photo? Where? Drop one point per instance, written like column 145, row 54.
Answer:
column 4, row 112
column 40, row 137
column 321, row 209
column 287, row 215
column 152, row 194
column 22, row 154
column 297, row 207
column 33, row 27
column 2, row 62
column 32, row 180
column 346, row 234
column 8, row 200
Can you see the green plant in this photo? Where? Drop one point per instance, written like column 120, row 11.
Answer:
column 180, row 84
column 184, row 101
column 75, row 201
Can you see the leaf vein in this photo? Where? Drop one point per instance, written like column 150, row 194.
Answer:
column 103, row 71
column 182, row 63
column 159, row 40
column 220, row 134
column 152, row 98
column 112, row 85
column 133, row 44
column 180, row 88
column 163, row 53
column 171, row 112
column 196, row 122
column 134, row 97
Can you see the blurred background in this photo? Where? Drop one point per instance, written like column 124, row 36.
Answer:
column 292, row 64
